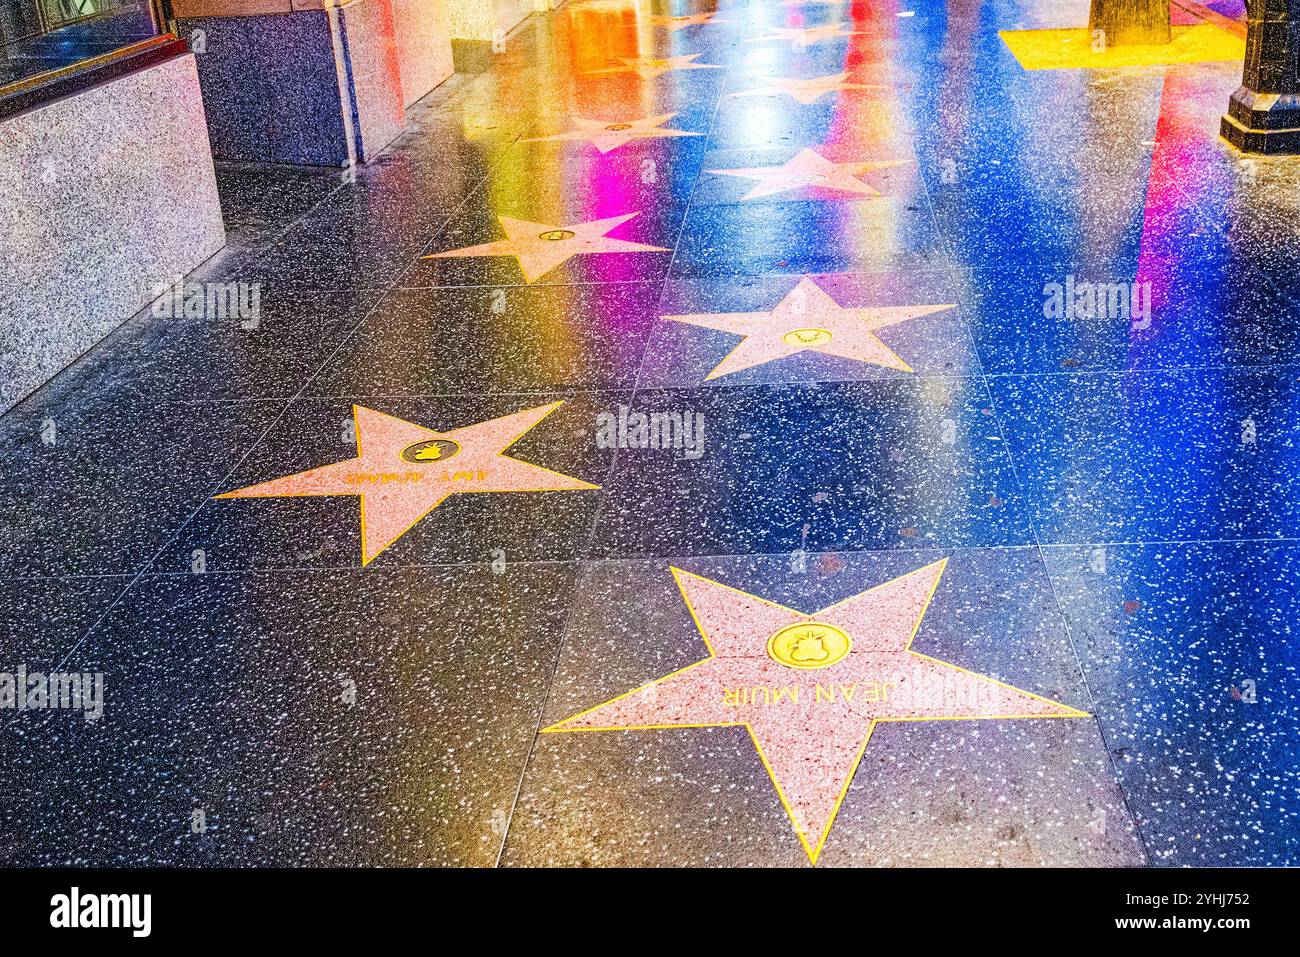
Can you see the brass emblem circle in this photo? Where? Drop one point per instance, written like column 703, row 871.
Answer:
column 811, row 644
column 432, row 450
column 806, row 337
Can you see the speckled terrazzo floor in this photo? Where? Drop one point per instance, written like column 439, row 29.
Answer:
column 941, row 577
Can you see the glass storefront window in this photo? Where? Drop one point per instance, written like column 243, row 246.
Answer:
column 40, row 37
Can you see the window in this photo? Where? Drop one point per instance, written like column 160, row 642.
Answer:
column 41, row 37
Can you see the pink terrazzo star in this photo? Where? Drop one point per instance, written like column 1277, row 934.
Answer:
column 673, row 24
column 811, row 688
column 541, row 247
column 403, row 471
column 809, row 169
column 649, row 67
column 808, row 36
column 810, row 90
column 808, row 320
column 607, row 135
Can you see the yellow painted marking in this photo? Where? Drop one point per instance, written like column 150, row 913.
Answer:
column 1072, row 49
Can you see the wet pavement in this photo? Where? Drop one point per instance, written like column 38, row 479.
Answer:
column 715, row 434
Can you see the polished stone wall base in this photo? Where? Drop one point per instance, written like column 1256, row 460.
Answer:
column 423, row 45
column 487, row 19
column 317, row 87
column 108, row 194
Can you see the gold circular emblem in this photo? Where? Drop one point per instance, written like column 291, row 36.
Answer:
column 555, row 235
column 806, row 337
column 812, row 644
column 433, row 450
column 618, row 127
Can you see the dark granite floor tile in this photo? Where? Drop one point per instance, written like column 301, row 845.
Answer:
column 258, row 202
column 762, row 112
column 1000, row 231
column 97, row 487
column 903, row 463
column 946, row 792
column 504, row 339
column 1187, row 652
column 297, row 260
column 762, row 238
column 1042, row 320
column 258, row 343
column 376, row 717
column 41, row 619
column 1155, row 456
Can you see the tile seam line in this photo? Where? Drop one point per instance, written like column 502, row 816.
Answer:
column 585, row 554
column 1149, row 371
column 1289, row 542
column 1069, row 632
column 1007, row 450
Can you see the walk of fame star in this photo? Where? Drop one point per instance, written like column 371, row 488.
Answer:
column 403, row 471
column 541, row 247
column 673, row 24
column 810, row 169
column 811, row 688
column 808, row 319
column 650, row 67
column 809, row 90
column 608, row 135
column 807, row 36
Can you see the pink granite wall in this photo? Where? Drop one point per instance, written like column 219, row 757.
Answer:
column 423, row 45
column 374, row 71
column 107, row 193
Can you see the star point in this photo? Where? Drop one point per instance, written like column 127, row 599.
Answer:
column 541, row 247
column 807, row 319
column 403, row 471
column 673, row 24
column 810, row 688
column 810, row 170
column 607, row 135
column 808, row 36
column 648, row 68
column 810, row 90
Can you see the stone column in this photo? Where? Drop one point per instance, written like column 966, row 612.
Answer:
column 1264, row 113
column 489, row 19
column 315, row 82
